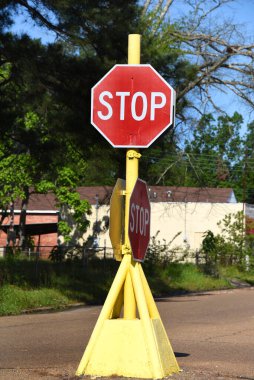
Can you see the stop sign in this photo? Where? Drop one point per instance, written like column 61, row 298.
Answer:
column 132, row 105
column 139, row 220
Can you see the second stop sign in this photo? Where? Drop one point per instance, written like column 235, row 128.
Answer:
column 132, row 105
column 139, row 220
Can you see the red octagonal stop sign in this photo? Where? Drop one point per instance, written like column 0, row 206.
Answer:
column 139, row 220
column 132, row 105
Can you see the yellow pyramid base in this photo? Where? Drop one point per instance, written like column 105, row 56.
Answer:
column 130, row 347
column 127, row 354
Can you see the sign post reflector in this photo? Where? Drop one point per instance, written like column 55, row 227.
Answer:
column 116, row 223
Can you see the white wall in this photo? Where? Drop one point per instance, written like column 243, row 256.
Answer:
column 191, row 219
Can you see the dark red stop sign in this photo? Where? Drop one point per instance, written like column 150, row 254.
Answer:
column 139, row 220
column 132, row 105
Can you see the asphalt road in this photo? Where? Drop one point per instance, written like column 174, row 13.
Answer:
column 212, row 335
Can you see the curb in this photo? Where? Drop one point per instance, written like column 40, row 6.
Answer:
column 51, row 309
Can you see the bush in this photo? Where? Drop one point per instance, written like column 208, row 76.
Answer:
column 161, row 253
column 231, row 247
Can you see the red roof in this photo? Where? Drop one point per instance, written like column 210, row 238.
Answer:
column 90, row 193
column 47, row 202
column 191, row 194
column 165, row 194
column 40, row 202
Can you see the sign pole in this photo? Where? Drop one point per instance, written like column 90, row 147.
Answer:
column 132, row 155
column 132, row 161
column 127, row 345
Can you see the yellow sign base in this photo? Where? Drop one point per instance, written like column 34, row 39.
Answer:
column 129, row 346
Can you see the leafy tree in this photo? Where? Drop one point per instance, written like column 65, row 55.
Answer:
column 204, row 62
column 194, row 58
column 46, row 143
column 215, row 152
column 54, row 81
column 231, row 245
column 212, row 157
column 45, row 89
column 247, row 164
column 218, row 58
column 68, row 201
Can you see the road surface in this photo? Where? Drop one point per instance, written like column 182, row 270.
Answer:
column 212, row 335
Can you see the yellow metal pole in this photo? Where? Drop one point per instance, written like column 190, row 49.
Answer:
column 113, row 338
column 105, row 312
column 152, row 308
column 132, row 157
column 134, row 49
column 146, row 323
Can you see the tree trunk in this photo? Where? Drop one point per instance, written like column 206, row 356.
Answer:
column 22, row 219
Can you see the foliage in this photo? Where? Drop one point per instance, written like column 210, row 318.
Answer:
column 231, row 246
column 237, row 273
column 189, row 277
column 216, row 152
column 46, row 141
column 68, row 200
column 45, row 88
column 16, row 173
column 14, row 300
column 217, row 58
column 248, row 164
column 162, row 253
column 216, row 156
column 31, row 284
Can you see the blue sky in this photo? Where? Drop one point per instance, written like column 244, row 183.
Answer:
column 241, row 12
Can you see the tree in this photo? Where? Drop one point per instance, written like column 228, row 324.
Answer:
column 45, row 142
column 194, row 58
column 216, row 152
column 58, row 77
column 220, row 57
column 209, row 56
column 45, row 89
column 248, row 165
column 212, row 157
column 230, row 246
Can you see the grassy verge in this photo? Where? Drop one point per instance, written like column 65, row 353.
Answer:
column 233, row 272
column 190, row 278
column 184, row 278
column 13, row 299
column 31, row 285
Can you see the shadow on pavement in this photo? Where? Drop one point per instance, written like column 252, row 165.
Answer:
column 181, row 354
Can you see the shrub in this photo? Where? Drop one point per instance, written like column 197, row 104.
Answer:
column 162, row 253
column 232, row 246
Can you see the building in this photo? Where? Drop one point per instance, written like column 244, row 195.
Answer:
column 41, row 224
column 188, row 212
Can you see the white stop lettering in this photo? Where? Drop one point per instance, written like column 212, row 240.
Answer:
column 139, row 219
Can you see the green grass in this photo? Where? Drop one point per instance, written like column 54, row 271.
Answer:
column 30, row 285
column 183, row 278
column 13, row 299
column 233, row 272
column 190, row 278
